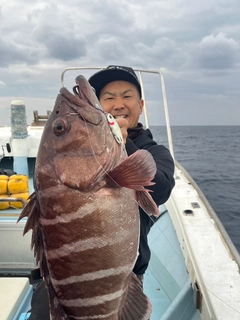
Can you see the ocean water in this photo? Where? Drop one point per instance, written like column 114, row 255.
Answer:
column 211, row 154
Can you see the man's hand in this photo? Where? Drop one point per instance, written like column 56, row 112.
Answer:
column 123, row 125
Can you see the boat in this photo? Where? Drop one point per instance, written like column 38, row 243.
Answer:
column 194, row 268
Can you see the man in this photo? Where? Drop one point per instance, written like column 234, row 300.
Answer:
column 119, row 92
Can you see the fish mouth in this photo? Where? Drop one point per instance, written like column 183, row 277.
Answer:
column 82, row 95
column 83, row 101
column 86, row 93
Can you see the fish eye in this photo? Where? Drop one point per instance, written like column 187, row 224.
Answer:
column 60, row 126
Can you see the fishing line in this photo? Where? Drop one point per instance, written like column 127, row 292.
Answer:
column 218, row 298
column 125, row 192
column 128, row 195
column 105, row 171
column 183, row 312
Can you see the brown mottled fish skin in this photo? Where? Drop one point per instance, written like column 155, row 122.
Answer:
column 86, row 223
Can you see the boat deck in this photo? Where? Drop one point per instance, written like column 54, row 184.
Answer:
column 163, row 308
column 166, row 281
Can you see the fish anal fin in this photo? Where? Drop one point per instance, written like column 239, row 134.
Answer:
column 146, row 202
column 135, row 172
column 137, row 304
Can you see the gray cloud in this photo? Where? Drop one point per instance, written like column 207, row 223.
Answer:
column 56, row 33
column 62, row 46
column 196, row 43
column 14, row 53
column 110, row 48
column 217, row 52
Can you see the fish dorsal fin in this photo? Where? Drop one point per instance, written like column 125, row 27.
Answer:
column 32, row 212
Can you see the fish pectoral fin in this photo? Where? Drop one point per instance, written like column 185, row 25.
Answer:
column 136, row 304
column 146, row 202
column 135, row 172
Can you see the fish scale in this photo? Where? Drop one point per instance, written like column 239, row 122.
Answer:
column 84, row 212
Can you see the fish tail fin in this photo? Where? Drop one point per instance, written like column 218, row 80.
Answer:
column 137, row 304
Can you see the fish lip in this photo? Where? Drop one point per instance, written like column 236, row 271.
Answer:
column 81, row 95
column 84, row 91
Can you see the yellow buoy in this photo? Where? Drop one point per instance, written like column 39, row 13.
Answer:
column 4, row 177
column 18, row 183
column 18, row 176
column 4, row 205
column 3, row 184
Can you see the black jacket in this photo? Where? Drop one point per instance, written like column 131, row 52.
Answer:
column 139, row 138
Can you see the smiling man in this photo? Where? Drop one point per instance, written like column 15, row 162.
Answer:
column 119, row 92
column 122, row 100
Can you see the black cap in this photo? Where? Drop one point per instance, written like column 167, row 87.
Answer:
column 113, row 73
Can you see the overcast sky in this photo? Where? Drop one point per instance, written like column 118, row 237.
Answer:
column 195, row 43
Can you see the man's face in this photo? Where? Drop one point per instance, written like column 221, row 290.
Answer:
column 121, row 99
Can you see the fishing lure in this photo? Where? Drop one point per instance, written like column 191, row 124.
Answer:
column 116, row 131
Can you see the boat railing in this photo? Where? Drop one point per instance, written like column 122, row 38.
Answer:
column 164, row 96
column 40, row 120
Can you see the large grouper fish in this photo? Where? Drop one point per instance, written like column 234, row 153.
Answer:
column 84, row 212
